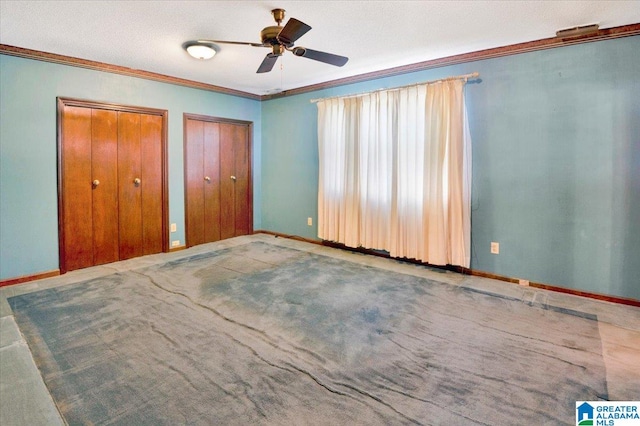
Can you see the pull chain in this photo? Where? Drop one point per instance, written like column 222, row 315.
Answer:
column 281, row 72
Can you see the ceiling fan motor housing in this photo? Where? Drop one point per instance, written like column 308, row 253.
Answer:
column 269, row 35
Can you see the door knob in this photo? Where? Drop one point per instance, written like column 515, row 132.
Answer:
column 233, row 178
column 96, row 182
column 136, row 181
column 207, row 178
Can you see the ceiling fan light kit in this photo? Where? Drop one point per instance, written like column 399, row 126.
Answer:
column 278, row 39
column 200, row 50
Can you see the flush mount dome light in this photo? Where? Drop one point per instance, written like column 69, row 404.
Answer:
column 200, row 50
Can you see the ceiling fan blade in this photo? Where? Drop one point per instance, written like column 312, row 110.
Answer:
column 316, row 55
column 244, row 43
column 267, row 63
column 292, row 31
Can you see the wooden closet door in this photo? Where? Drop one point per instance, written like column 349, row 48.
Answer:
column 217, row 179
column 111, row 182
column 194, row 181
column 202, row 175
column 151, row 182
column 104, row 176
column 227, row 181
column 75, row 184
column 211, row 168
column 129, row 192
column 242, row 193
column 139, row 184
column 235, row 165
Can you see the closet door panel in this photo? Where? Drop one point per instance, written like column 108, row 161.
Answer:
column 222, row 148
column 211, row 158
column 129, row 192
column 194, row 182
column 76, row 187
column 151, row 183
column 111, row 182
column 104, row 172
column 227, row 182
column 242, row 166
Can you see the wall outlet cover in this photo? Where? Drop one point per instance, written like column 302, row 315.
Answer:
column 495, row 248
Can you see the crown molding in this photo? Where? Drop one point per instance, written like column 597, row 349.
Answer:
column 21, row 52
column 514, row 49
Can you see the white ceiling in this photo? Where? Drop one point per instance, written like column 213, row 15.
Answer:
column 375, row 35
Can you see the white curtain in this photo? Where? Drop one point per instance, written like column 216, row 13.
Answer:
column 395, row 172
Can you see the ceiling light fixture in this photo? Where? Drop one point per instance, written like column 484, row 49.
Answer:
column 201, row 50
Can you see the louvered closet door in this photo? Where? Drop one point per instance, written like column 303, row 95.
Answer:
column 111, row 185
column 217, row 180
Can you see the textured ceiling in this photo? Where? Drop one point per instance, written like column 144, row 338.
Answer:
column 375, row 35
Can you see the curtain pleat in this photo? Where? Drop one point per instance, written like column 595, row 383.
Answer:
column 395, row 172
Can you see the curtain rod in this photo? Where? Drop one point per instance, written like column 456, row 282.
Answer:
column 464, row 77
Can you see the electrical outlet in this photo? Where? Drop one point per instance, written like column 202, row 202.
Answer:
column 175, row 243
column 174, row 227
column 309, row 221
column 495, row 248
column 523, row 282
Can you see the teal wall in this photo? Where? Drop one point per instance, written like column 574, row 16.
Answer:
column 28, row 179
column 556, row 159
column 556, row 163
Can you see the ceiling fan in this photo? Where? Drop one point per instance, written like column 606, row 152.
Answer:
column 280, row 38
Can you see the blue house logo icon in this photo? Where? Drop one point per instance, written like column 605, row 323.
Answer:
column 585, row 414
